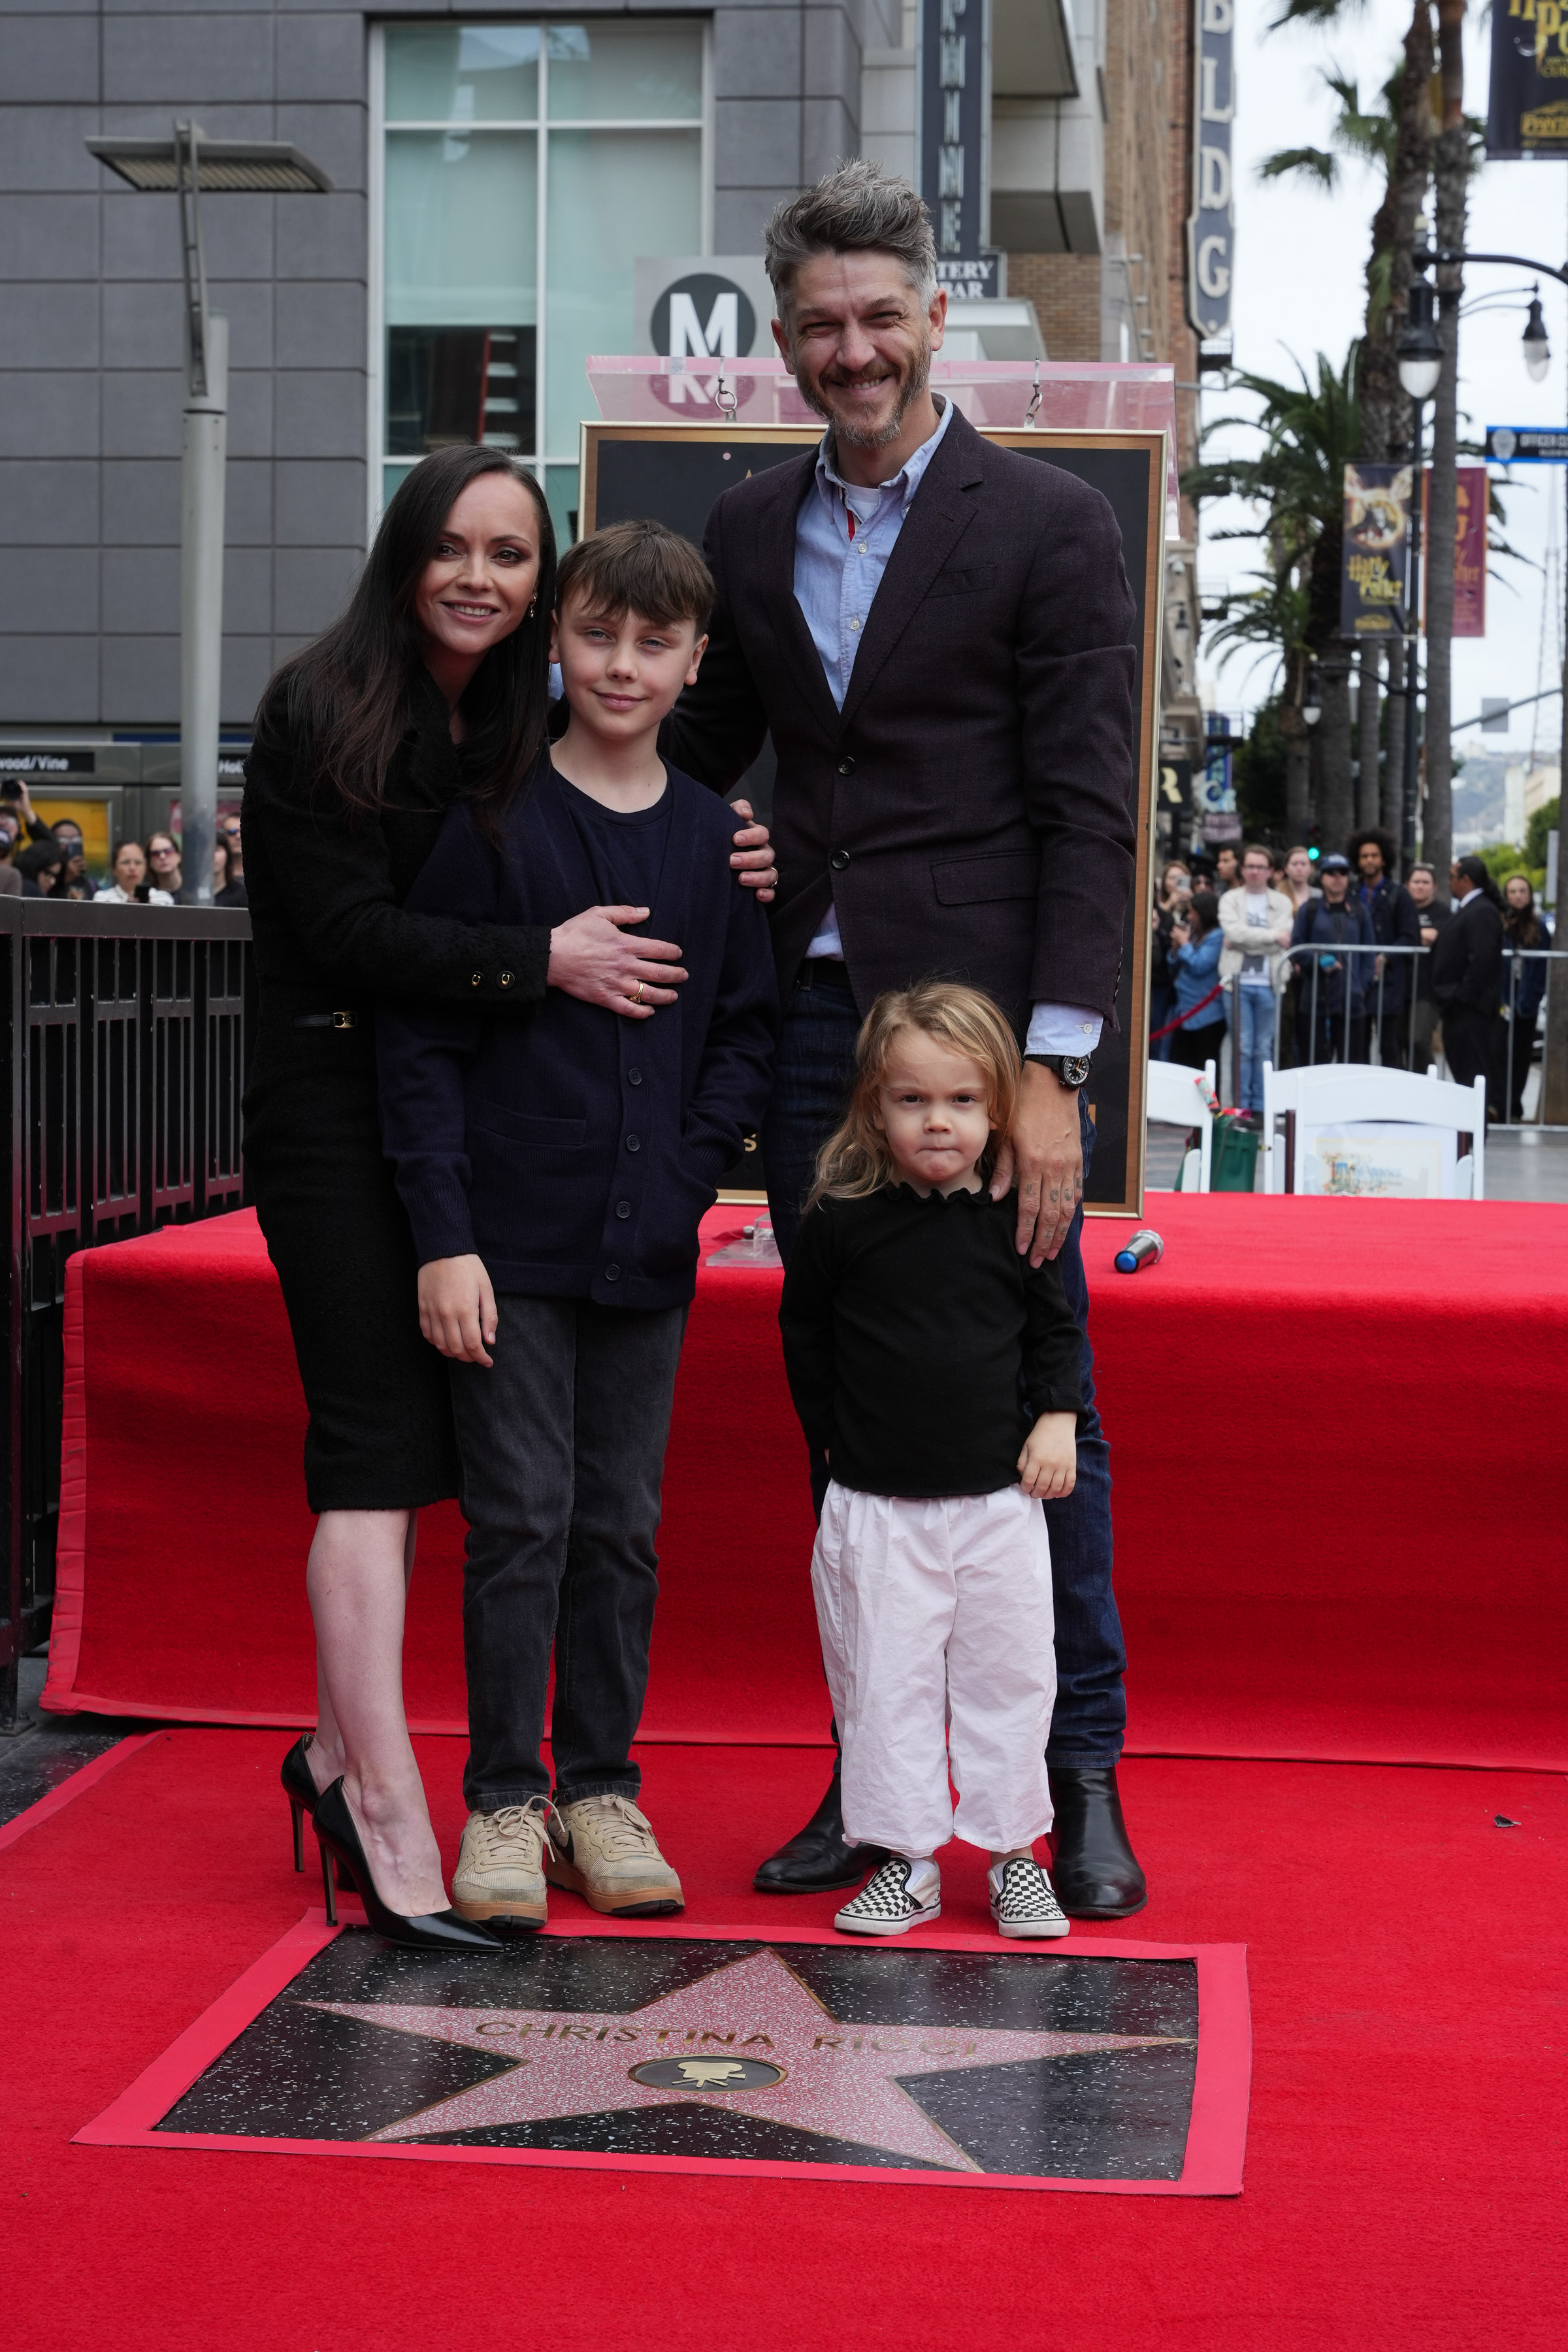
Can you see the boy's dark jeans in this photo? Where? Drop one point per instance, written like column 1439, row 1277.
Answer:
column 561, row 1445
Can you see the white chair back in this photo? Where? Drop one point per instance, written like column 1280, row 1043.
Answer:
column 1346, row 1093
column 1174, row 1097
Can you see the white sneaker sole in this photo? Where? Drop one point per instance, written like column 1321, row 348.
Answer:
column 922, row 1919
column 1034, row 1928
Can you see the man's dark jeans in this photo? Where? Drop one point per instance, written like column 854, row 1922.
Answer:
column 561, row 1445
column 815, row 1064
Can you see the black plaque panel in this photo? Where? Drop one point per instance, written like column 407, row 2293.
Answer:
column 675, row 472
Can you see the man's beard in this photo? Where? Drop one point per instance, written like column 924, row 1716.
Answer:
column 867, row 437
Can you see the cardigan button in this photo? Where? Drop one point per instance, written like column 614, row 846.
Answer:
column 632, row 1144
column 505, row 978
column 847, row 765
column 612, row 1274
column 633, row 1077
column 623, row 1208
column 840, row 860
column 476, row 979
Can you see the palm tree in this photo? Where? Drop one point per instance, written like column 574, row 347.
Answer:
column 1273, row 616
column 1394, row 136
column 1311, row 432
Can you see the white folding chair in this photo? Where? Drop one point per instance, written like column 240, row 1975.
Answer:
column 1174, row 1098
column 1348, row 1093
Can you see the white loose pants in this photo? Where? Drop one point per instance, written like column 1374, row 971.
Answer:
column 938, row 1634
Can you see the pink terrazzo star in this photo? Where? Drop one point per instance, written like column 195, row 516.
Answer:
column 751, row 2016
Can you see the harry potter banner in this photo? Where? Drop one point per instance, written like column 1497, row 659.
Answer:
column 1374, row 568
column 1528, row 113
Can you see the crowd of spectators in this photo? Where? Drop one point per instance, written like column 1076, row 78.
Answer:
column 39, row 860
column 1299, row 960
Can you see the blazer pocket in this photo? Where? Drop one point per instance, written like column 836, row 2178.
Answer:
column 542, row 1134
column 962, row 583
column 972, row 881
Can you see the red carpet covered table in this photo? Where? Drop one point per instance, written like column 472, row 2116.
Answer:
column 1337, row 1431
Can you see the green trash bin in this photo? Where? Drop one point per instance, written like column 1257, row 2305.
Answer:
column 1238, row 1137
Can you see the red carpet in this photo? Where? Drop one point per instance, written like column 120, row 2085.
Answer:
column 1330, row 1425
column 1404, row 2161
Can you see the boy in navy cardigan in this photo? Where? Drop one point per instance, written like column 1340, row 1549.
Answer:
column 562, row 1165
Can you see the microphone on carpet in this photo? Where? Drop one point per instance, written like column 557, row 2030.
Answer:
column 1145, row 1248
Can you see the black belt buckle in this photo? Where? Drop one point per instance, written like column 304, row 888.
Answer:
column 326, row 1021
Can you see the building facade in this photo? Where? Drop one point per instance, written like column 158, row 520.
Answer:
column 496, row 173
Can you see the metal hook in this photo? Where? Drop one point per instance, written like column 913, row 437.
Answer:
column 725, row 400
column 1033, row 410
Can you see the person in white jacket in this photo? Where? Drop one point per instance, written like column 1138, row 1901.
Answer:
column 1255, row 923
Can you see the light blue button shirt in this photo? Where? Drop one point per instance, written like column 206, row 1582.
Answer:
column 837, row 571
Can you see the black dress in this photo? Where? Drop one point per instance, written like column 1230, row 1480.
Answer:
column 326, row 891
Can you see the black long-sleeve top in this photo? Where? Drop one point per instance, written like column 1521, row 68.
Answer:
column 919, row 1346
column 326, row 884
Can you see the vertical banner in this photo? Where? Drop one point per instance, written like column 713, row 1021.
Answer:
column 1374, row 569
column 955, row 128
column 1527, row 112
column 1211, row 226
column 1471, row 507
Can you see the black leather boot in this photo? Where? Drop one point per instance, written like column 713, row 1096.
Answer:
column 1093, row 1867
column 817, row 1858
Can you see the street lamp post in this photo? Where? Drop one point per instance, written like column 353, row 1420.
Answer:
column 181, row 166
column 1420, row 358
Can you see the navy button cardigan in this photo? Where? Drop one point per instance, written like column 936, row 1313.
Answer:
column 575, row 1151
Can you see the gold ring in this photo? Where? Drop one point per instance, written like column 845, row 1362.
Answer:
column 637, row 998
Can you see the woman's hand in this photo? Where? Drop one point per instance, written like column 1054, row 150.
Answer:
column 753, row 860
column 1180, row 934
column 458, row 1309
column 1049, row 1464
column 591, row 958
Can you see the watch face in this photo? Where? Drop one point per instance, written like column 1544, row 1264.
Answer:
column 1075, row 1069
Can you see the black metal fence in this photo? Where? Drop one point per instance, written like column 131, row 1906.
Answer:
column 124, row 1031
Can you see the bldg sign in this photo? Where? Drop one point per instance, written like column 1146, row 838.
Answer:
column 1527, row 112
column 1528, row 445
column 955, row 76
column 1211, row 227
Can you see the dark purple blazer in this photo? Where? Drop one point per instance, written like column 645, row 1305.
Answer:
column 970, row 810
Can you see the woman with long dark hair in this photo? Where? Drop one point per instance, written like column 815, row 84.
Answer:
column 1524, row 981
column 432, row 686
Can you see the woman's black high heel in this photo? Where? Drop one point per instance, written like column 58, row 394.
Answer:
column 300, row 1790
column 427, row 1930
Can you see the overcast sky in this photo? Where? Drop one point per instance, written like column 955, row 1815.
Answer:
column 1300, row 288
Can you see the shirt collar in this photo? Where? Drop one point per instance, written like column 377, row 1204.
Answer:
column 904, row 483
column 1467, row 897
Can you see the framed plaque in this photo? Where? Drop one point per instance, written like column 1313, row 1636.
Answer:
column 675, row 472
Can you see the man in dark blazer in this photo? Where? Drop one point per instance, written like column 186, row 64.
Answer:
column 1467, row 981
column 936, row 633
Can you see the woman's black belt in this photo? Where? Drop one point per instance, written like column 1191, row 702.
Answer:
column 326, row 1021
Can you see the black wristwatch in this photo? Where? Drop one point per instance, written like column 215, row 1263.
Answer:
column 1069, row 1069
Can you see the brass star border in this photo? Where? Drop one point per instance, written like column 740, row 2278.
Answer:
column 566, row 2064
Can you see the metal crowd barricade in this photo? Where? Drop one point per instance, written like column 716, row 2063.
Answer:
column 125, row 1034
column 1337, row 1010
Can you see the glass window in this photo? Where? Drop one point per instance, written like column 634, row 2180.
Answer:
column 612, row 197
column 485, row 323
column 627, row 72
column 462, row 73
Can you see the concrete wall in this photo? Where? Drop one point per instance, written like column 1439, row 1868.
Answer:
column 90, row 378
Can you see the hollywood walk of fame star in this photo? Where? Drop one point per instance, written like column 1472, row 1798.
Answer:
column 838, row 2080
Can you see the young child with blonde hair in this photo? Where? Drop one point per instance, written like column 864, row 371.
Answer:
column 941, row 1373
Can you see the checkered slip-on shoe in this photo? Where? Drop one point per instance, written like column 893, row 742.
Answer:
column 1022, row 1903
column 884, row 1907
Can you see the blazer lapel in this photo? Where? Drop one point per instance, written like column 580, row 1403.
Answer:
column 776, row 559
column 939, row 513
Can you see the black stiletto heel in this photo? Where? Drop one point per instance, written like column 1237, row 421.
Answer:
column 300, row 1788
column 327, row 1887
column 426, row 1930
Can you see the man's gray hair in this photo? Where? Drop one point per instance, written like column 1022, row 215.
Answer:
column 857, row 208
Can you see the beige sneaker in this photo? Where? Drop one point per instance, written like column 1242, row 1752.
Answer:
column 605, row 1849
column 501, row 1870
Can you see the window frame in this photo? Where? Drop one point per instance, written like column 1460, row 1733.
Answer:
column 539, row 461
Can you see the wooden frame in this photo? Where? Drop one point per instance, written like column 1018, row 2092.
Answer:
column 1129, row 469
